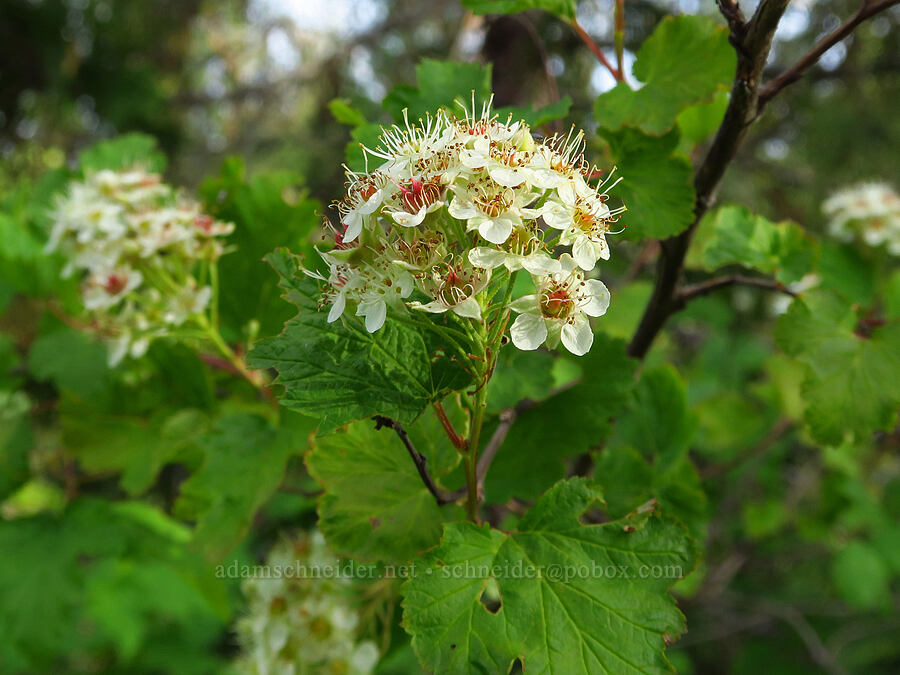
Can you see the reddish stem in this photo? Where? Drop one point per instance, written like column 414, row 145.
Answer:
column 596, row 49
column 458, row 441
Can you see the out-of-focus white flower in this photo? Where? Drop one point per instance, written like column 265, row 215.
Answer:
column 870, row 211
column 137, row 245
column 560, row 310
column 303, row 623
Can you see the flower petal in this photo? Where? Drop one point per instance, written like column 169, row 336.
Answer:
column 462, row 210
column 528, row 332
column 337, row 308
column 496, row 230
column 578, row 337
column 540, row 264
column 433, row 307
column 527, row 304
column 486, row 258
column 583, row 252
column 597, row 295
column 468, row 308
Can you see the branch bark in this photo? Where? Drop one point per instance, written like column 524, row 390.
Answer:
column 418, row 459
column 795, row 72
column 752, row 49
column 688, row 293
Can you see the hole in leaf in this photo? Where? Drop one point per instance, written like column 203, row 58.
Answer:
column 490, row 596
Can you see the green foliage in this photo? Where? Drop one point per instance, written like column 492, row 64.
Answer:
column 268, row 210
column 698, row 122
column 244, row 465
column 375, row 506
column 71, row 360
column 686, row 61
column 124, row 152
column 16, row 441
column 567, row 424
column 58, row 584
column 861, row 576
column 657, row 183
column 852, row 383
column 341, row 373
column 556, row 613
column 738, row 237
column 564, row 9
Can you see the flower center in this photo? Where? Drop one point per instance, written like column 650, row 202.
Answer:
column 115, row 283
column 556, row 303
column 419, row 195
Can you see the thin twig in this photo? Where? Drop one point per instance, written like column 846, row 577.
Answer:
column 795, row 72
column 777, row 431
column 418, row 458
column 456, row 440
column 688, row 293
column 619, row 39
column 601, row 57
column 737, row 24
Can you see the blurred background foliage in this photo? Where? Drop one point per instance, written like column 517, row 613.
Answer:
column 802, row 542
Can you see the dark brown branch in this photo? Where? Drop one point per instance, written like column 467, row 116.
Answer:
column 702, row 288
column 795, row 72
column 737, row 24
column 752, row 49
column 418, row 458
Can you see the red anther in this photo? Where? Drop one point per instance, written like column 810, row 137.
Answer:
column 204, row 223
column 115, row 283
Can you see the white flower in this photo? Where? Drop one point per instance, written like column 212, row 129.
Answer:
column 870, row 211
column 454, row 289
column 560, row 310
column 417, row 201
column 362, row 200
column 490, row 210
column 378, row 289
column 580, row 211
column 523, row 250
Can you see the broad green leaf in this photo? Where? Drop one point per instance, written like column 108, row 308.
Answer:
column 124, row 152
column 698, row 122
column 564, row 9
column 16, row 441
column 892, row 295
column 44, row 584
column 686, row 61
column 628, row 481
column 852, row 383
column 739, row 237
column 861, row 576
column 657, row 183
column 340, row 373
column 375, row 506
column 268, row 210
column 844, row 268
column 440, row 85
column 563, row 426
column 658, row 421
column 72, row 360
column 245, row 463
column 571, row 597
column 136, row 447
column 519, row 375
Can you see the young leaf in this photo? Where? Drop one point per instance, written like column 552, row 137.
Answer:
column 341, row 373
column 571, row 596
column 564, row 9
column 657, row 183
column 852, row 383
column 739, row 237
column 375, row 505
column 685, row 61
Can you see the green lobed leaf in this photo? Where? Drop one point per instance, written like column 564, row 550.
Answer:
column 697, row 122
column 340, row 373
column 245, row 463
column 519, row 375
column 739, row 237
column 852, row 381
column 657, row 183
column 571, row 596
column 565, row 425
column 686, row 61
column 72, row 361
column 375, row 506
column 564, row 9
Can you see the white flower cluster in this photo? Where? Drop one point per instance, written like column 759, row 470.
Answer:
column 454, row 198
column 141, row 250
column 302, row 626
column 870, row 211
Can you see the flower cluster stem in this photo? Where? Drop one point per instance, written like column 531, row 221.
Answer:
column 471, row 457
